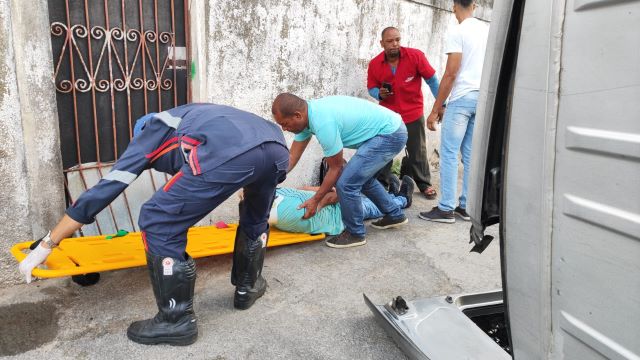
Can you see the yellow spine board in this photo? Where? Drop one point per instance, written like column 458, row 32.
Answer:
column 83, row 255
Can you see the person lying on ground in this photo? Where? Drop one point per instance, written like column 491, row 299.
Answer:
column 287, row 213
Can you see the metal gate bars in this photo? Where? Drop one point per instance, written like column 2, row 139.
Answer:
column 114, row 62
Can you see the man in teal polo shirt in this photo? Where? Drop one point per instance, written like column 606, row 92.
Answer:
column 340, row 122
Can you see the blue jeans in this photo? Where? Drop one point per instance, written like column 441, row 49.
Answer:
column 371, row 211
column 358, row 177
column 456, row 136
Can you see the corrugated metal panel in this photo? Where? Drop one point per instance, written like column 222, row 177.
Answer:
column 596, row 239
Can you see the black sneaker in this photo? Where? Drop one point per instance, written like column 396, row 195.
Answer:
column 462, row 213
column 438, row 215
column 394, row 184
column 406, row 189
column 345, row 240
column 387, row 222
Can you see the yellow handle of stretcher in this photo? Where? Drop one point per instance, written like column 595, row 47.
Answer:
column 57, row 258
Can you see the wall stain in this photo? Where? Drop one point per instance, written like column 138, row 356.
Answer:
column 284, row 32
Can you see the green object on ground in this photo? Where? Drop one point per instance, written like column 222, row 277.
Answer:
column 395, row 167
column 120, row 233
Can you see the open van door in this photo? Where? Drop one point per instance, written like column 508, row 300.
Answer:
column 556, row 162
column 457, row 326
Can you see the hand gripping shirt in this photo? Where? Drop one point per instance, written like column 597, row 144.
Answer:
column 286, row 216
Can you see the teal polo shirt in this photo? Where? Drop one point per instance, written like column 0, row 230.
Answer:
column 289, row 218
column 346, row 122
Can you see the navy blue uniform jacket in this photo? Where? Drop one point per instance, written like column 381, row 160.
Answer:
column 203, row 135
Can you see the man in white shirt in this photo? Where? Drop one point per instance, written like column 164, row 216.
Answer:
column 465, row 48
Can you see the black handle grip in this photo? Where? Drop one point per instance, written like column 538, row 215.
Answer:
column 35, row 244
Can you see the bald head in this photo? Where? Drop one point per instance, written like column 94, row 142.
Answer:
column 390, row 42
column 287, row 104
column 290, row 112
column 384, row 31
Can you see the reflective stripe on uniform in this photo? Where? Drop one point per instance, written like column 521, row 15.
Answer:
column 122, row 176
column 144, row 240
column 168, row 119
column 162, row 147
column 172, row 181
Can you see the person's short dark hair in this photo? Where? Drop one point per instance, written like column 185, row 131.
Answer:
column 464, row 3
column 387, row 29
column 287, row 104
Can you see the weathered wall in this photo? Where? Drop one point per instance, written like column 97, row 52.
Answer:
column 249, row 51
column 31, row 191
column 13, row 190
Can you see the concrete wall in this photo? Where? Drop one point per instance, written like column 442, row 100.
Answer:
column 31, row 190
column 246, row 52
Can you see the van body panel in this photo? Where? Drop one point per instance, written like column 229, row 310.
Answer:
column 596, row 218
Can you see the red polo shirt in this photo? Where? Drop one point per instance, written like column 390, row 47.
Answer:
column 406, row 83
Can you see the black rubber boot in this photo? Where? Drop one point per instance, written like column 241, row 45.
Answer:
column 246, row 274
column 173, row 282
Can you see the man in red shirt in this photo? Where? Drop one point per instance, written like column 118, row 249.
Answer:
column 395, row 79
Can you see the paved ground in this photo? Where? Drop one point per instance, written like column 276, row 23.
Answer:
column 313, row 308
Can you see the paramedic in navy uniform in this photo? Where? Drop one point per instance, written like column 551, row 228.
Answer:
column 212, row 151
